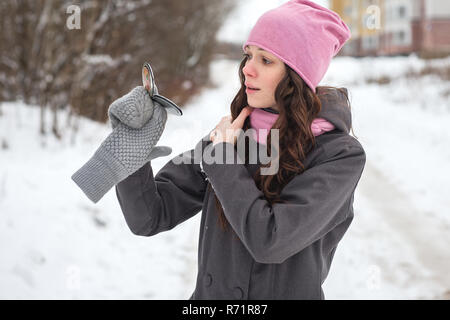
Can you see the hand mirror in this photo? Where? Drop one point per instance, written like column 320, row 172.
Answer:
column 148, row 81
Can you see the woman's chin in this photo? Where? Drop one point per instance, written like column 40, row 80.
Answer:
column 254, row 105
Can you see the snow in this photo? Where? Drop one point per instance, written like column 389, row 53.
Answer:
column 56, row 244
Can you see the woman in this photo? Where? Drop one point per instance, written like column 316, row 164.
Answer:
column 265, row 236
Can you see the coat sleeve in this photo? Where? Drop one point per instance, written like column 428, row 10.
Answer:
column 315, row 201
column 152, row 204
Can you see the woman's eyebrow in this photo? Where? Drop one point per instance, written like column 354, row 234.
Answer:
column 259, row 49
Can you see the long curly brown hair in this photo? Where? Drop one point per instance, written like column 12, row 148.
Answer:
column 298, row 105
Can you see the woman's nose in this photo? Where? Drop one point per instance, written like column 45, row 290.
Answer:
column 249, row 70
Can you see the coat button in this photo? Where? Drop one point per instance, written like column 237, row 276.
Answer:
column 207, row 280
column 238, row 293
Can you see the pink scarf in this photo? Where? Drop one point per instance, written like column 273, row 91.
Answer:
column 260, row 119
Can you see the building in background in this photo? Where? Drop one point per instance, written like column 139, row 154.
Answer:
column 391, row 27
column 396, row 37
column 431, row 27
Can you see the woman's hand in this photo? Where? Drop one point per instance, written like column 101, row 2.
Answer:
column 226, row 131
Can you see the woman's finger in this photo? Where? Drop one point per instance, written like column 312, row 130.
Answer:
column 238, row 123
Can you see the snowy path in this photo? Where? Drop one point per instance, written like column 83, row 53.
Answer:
column 392, row 249
column 424, row 235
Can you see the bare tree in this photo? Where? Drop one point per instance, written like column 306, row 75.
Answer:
column 45, row 63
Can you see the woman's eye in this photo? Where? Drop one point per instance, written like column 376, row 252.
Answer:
column 264, row 59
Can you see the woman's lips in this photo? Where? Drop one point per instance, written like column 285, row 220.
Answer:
column 248, row 90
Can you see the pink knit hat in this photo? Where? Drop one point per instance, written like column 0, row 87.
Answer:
column 304, row 35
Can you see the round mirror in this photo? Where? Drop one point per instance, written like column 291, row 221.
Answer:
column 148, row 81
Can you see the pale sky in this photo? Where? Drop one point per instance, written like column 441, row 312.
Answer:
column 243, row 18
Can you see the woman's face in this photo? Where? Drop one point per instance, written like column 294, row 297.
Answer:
column 263, row 71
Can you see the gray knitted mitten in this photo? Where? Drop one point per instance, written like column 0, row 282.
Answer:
column 126, row 149
column 133, row 109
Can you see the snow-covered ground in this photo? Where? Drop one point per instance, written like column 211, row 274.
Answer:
column 56, row 244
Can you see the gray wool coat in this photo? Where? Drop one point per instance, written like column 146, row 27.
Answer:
column 282, row 251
